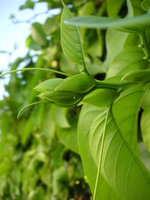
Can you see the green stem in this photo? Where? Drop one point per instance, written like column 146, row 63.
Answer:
column 40, row 69
column 27, row 106
column 145, row 46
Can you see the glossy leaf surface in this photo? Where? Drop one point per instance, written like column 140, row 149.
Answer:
column 110, row 159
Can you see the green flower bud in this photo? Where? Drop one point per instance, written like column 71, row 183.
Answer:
column 80, row 83
column 64, row 99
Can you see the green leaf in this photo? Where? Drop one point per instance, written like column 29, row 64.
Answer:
column 31, row 44
column 128, row 106
column 129, row 24
column 142, row 76
column 80, row 83
column 129, row 59
column 113, row 7
column 59, row 116
column 68, row 135
column 70, row 39
column 145, row 128
column 38, row 34
column 28, row 4
column 110, row 164
column 50, row 25
column 100, row 97
column 48, row 85
column 87, row 116
column 112, row 41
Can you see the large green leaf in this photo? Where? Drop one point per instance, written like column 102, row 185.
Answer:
column 129, row 24
column 87, row 117
column 70, row 39
column 111, row 155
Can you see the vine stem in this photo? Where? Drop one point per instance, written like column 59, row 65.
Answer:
column 145, row 46
column 27, row 106
column 29, row 69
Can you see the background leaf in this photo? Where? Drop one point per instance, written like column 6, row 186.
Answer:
column 113, row 7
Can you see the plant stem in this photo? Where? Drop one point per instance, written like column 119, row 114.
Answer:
column 145, row 46
column 27, row 106
column 28, row 69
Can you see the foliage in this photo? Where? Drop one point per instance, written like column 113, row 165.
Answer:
column 97, row 107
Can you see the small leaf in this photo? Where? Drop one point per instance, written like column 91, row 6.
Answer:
column 50, row 25
column 48, row 85
column 38, row 34
column 100, row 97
